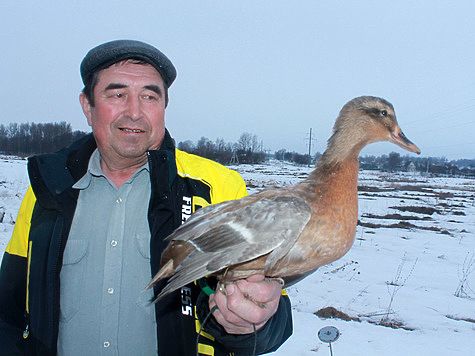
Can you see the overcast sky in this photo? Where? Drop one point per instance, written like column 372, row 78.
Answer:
column 271, row 68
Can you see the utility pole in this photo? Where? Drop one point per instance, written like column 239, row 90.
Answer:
column 310, row 145
column 234, row 158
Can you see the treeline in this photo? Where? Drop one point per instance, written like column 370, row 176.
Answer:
column 394, row 162
column 247, row 149
column 34, row 138
column 283, row 155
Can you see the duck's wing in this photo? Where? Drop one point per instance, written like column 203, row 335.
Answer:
column 237, row 232
column 204, row 218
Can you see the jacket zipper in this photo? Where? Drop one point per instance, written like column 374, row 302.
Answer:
column 26, row 332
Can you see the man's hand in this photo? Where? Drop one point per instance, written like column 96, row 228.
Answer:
column 246, row 302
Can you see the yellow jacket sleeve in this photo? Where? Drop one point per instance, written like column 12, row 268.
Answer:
column 18, row 244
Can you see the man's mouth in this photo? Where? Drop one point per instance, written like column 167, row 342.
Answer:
column 131, row 130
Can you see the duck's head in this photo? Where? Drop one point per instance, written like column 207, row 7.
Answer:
column 371, row 119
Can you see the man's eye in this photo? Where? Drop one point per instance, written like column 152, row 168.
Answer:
column 150, row 97
column 118, row 95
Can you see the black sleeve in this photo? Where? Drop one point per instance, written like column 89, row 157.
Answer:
column 12, row 304
column 269, row 337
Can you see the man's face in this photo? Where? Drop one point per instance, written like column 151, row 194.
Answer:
column 129, row 113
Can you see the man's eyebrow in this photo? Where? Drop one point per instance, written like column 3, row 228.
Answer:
column 113, row 86
column 155, row 88
column 152, row 87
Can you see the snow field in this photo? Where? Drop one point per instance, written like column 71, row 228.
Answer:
column 407, row 274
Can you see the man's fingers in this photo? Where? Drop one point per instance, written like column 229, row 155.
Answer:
column 256, row 278
column 232, row 323
column 246, row 304
column 262, row 291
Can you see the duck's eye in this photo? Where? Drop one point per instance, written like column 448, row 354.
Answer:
column 384, row 113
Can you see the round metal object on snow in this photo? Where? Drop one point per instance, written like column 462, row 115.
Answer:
column 328, row 334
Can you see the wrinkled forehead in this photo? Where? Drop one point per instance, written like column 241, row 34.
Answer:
column 136, row 67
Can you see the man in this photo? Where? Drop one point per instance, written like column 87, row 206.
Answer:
column 90, row 232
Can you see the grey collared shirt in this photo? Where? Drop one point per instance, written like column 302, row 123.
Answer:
column 104, row 309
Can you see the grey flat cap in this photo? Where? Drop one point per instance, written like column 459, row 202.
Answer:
column 106, row 54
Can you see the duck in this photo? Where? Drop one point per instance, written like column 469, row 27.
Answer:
column 284, row 233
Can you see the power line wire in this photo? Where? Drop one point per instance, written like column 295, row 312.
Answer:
column 445, row 127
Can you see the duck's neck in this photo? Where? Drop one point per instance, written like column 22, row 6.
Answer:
column 343, row 146
column 340, row 159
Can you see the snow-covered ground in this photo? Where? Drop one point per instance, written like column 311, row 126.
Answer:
column 414, row 251
column 13, row 186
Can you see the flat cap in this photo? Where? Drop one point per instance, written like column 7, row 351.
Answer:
column 108, row 53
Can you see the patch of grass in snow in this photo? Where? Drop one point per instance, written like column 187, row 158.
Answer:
column 404, row 225
column 333, row 313
column 395, row 217
column 416, row 209
column 459, row 318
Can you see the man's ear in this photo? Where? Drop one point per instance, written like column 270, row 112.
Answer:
column 86, row 107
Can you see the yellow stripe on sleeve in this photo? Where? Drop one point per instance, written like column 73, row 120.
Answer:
column 28, row 279
column 18, row 244
column 205, row 349
column 225, row 184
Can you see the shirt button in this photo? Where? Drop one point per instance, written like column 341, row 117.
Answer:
column 113, row 243
column 107, row 344
column 110, row 290
column 119, row 200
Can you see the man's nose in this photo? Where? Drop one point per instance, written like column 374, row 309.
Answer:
column 134, row 107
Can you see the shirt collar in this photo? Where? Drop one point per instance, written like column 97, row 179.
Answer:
column 94, row 169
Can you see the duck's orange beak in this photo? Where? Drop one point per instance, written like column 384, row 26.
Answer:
column 402, row 141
